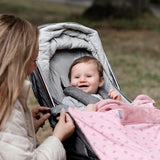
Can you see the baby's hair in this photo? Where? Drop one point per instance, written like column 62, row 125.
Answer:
column 86, row 59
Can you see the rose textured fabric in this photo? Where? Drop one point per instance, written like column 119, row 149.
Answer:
column 118, row 131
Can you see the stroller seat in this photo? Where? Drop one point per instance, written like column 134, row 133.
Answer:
column 59, row 45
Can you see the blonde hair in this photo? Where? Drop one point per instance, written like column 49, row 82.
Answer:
column 18, row 42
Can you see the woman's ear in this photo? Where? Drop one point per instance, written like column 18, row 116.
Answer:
column 101, row 81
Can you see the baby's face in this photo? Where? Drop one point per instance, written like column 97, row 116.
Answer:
column 85, row 76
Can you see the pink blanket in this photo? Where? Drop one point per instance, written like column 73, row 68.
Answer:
column 118, row 131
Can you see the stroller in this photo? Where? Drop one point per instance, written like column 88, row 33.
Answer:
column 59, row 45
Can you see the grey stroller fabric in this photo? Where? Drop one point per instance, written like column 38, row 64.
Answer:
column 84, row 97
column 59, row 45
column 79, row 98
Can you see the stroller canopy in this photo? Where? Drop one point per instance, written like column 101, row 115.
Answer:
column 59, row 45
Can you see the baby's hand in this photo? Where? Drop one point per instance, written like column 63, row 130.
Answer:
column 90, row 107
column 115, row 95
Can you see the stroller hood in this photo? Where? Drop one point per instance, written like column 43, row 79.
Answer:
column 59, row 45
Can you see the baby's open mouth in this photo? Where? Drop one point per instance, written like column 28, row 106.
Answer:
column 83, row 86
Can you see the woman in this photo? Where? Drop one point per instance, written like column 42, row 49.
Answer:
column 18, row 53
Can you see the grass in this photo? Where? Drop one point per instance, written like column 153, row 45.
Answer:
column 146, row 21
column 132, row 46
column 134, row 56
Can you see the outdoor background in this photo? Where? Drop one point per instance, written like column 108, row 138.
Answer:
column 132, row 45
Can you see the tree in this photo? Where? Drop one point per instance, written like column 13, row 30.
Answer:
column 116, row 8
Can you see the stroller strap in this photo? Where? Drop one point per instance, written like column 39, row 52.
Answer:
column 84, row 97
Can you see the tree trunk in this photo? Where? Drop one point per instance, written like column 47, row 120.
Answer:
column 116, row 8
column 138, row 6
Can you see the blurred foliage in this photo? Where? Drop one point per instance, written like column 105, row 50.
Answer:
column 40, row 12
column 117, row 8
column 155, row 1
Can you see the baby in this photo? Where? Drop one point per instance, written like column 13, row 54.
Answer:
column 86, row 73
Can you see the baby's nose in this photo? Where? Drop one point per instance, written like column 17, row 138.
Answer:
column 82, row 78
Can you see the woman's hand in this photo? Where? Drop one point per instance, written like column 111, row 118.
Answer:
column 65, row 127
column 115, row 95
column 39, row 117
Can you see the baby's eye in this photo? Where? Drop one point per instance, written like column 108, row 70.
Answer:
column 76, row 77
column 89, row 76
